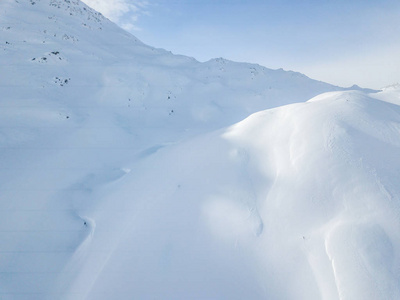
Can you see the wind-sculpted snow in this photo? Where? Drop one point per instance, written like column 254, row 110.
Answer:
column 297, row 202
column 122, row 176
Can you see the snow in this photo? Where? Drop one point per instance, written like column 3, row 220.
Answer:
column 130, row 173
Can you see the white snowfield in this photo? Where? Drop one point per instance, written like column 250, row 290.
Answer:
column 122, row 176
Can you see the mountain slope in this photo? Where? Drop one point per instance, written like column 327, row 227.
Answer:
column 66, row 51
column 298, row 202
column 120, row 178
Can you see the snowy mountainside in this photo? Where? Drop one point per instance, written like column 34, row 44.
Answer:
column 66, row 51
column 122, row 176
column 296, row 202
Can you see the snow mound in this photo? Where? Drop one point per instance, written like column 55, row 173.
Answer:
column 297, row 202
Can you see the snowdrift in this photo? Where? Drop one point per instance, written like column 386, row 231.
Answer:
column 297, row 202
column 122, row 176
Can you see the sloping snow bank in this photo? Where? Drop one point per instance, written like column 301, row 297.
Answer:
column 298, row 202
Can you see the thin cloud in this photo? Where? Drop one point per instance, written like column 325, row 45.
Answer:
column 123, row 12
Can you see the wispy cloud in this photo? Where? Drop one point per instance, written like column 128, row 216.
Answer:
column 123, row 12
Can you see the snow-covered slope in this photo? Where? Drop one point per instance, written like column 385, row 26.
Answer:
column 298, row 202
column 121, row 176
column 65, row 51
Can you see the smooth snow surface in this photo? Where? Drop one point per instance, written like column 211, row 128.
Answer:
column 122, row 176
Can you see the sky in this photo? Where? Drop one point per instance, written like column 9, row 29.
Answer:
column 343, row 42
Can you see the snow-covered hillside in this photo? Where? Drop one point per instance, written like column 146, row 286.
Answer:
column 124, row 176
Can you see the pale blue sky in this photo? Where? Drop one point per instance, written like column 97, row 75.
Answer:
column 341, row 42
